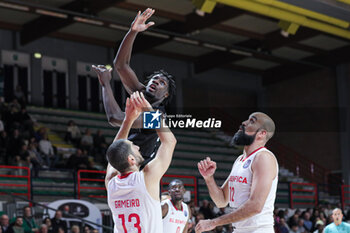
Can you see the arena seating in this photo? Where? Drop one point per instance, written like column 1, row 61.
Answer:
column 193, row 145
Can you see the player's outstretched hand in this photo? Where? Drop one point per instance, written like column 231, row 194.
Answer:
column 206, row 167
column 104, row 75
column 139, row 23
column 131, row 112
column 204, row 225
column 139, row 101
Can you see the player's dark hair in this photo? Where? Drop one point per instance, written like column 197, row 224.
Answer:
column 117, row 155
column 171, row 84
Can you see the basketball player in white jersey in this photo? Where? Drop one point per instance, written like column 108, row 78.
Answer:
column 251, row 186
column 133, row 195
column 174, row 211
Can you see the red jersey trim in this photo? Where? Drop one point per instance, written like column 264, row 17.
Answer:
column 124, row 176
column 182, row 209
column 253, row 153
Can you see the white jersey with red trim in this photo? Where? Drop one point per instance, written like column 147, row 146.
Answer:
column 175, row 220
column 134, row 210
column 239, row 183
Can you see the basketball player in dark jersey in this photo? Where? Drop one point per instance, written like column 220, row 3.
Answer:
column 158, row 89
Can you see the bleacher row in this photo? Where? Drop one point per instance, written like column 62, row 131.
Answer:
column 193, row 145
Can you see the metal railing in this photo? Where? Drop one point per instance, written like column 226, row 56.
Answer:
column 84, row 183
column 304, row 194
column 89, row 181
column 345, row 195
column 14, row 170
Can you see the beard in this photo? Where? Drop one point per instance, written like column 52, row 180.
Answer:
column 139, row 159
column 242, row 139
column 176, row 198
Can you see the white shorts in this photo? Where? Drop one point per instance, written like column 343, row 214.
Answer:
column 255, row 230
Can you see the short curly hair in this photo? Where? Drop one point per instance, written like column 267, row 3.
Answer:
column 171, row 84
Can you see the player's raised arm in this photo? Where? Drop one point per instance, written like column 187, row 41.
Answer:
column 219, row 195
column 160, row 164
column 113, row 111
column 131, row 114
column 122, row 59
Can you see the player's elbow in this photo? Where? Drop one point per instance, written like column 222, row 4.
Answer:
column 221, row 205
column 114, row 121
column 173, row 141
column 256, row 208
column 120, row 65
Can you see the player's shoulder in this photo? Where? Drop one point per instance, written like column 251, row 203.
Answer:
column 239, row 158
column 265, row 154
column 264, row 158
column 184, row 204
column 164, row 204
column 111, row 181
column 347, row 225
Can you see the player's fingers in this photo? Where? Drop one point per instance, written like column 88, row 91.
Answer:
column 94, row 68
column 200, row 165
column 143, row 99
column 206, row 165
column 209, row 161
column 145, row 12
column 137, row 94
column 137, row 98
column 127, row 102
column 149, row 13
column 137, row 103
column 142, row 96
column 203, row 165
column 152, row 12
column 198, row 228
column 132, row 97
column 150, row 24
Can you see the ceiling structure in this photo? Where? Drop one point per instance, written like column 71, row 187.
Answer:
column 227, row 37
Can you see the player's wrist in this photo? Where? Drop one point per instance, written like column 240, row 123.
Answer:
column 133, row 31
column 129, row 119
column 208, row 178
column 214, row 222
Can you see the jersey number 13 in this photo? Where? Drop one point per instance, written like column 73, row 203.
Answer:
column 130, row 219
